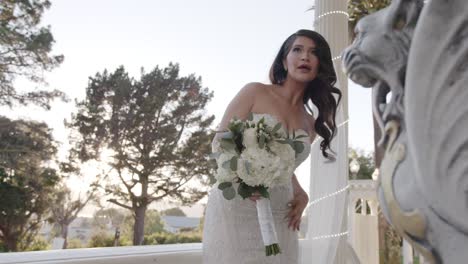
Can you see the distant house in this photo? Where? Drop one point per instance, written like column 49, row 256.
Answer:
column 80, row 229
column 173, row 224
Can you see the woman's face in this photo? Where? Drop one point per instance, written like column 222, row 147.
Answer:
column 302, row 62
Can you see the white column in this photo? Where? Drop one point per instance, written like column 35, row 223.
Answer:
column 421, row 259
column 352, row 218
column 374, row 207
column 334, row 28
column 407, row 252
column 363, row 207
column 332, row 22
column 329, row 216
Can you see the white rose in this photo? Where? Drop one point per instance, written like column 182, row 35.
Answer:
column 262, row 168
column 284, row 151
column 250, row 137
column 222, row 174
column 286, row 163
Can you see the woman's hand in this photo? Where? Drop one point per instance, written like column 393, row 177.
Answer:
column 297, row 205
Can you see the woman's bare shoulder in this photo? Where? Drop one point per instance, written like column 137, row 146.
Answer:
column 255, row 92
column 254, row 88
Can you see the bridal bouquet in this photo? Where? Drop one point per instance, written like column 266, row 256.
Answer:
column 257, row 157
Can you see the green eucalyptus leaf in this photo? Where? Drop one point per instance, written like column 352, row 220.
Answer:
column 226, row 165
column 301, row 136
column 261, row 142
column 224, row 185
column 250, row 117
column 276, row 128
column 264, row 192
column 227, row 144
column 244, row 190
column 282, row 141
column 298, row 146
column 233, row 163
column 214, row 155
column 227, row 135
column 229, row 193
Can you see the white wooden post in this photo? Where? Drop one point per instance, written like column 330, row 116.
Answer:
column 407, row 252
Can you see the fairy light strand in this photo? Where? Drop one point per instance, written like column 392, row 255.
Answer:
column 335, row 12
column 330, row 236
column 336, row 58
column 329, row 195
column 344, row 123
column 318, row 138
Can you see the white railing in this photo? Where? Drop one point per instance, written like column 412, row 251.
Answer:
column 159, row 254
column 363, row 236
column 363, row 223
column 167, row 254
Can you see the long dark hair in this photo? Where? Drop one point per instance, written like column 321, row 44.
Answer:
column 320, row 90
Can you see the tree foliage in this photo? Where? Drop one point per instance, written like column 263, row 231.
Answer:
column 359, row 8
column 157, row 133
column 26, row 182
column 175, row 211
column 65, row 209
column 105, row 217
column 25, row 49
column 366, row 164
column 153, row 224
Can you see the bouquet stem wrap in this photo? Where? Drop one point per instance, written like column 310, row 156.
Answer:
column 267, row 227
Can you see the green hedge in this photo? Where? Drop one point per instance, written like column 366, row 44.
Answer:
column 101, row 240
column 169, row 238
column 106, row 240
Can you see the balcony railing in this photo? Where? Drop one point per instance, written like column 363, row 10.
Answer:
column 167, row 254
column 362, row 225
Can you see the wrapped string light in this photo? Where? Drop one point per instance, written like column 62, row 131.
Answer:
column 318, row 138
column 335, row 12
column 330, row 236
column 329, row 195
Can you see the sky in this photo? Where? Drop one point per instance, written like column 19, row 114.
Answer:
column 227, row 43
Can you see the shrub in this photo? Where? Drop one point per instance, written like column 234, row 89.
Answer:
column 39, row 243
column 169, row 238
column 74, row 243
column 101, row 239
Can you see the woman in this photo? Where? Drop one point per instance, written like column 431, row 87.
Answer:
column 302, row 74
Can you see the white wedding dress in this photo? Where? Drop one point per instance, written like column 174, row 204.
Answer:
column 231, row 233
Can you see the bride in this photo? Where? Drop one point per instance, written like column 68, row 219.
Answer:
column 302, row 74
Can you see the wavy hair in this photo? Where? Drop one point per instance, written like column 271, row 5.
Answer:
column 319, row 91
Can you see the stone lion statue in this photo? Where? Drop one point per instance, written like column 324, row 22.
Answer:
column 415, row 58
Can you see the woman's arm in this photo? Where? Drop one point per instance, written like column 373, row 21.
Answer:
column 297, row 204
column 297, row 187
column 239, row 107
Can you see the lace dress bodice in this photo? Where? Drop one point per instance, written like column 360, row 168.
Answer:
column 231, row 231
column 272, row 121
